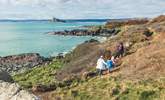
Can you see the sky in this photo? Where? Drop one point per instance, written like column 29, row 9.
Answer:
column 80, row 9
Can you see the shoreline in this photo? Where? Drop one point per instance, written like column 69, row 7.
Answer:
column 98, row 31
column 27, row 61
column 98, row 38
column 16, row 62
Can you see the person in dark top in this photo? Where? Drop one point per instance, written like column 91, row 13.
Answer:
column 120, row 50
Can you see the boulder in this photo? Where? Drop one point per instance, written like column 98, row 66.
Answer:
column 12, row 91
column 91, row 41
column 5, row 76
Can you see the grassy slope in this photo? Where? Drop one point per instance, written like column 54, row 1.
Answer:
column 109, row 87
column 112, row 88
column 44, row 75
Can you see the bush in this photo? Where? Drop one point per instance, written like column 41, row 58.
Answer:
column 146, row 95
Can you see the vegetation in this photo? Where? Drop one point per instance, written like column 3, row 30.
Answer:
column 113, row 88
column 44, row 75
column 141, row 74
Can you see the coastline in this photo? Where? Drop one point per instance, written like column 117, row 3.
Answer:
column 77, row 69
column 99, row 33
column 26, row 61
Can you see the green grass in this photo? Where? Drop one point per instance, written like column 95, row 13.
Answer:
column 44, row 75
column 97, row 88
column 111, row 89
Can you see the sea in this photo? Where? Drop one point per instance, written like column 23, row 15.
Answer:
column 30, row 36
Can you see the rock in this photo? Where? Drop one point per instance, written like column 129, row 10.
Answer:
column 5, row 76
column 91, row 41
column 86, row 32
column 87, row 75
column 114, row 91
column 57, row 20
column 12, row 91
column 60, row 56
column 15, row 63
column 43, row 88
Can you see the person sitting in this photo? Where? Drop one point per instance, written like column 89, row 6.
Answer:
column 110, row 63
column 101, row 65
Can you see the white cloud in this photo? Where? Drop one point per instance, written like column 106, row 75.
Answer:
column 80, row 8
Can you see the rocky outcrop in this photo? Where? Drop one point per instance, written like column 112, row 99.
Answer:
column 58, row 20
column 12, row 91
column 86, row 32
column 20, row 62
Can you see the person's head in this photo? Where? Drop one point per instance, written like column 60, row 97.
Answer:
column 121, row 43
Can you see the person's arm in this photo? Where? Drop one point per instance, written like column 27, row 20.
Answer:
column 104, row 63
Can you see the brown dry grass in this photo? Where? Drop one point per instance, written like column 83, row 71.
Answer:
column 144, row 58
column 140, row 53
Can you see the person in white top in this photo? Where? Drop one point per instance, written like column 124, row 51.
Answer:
column 101, row 65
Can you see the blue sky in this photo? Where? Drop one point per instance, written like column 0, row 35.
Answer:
column 76, row 9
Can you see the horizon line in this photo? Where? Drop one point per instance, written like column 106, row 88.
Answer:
column 47, row 19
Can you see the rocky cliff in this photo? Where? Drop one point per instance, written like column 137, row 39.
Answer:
column 12, row 91
column 21, row 62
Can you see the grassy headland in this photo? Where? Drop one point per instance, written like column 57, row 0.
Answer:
column 141, row 74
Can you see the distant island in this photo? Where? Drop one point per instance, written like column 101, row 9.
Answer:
column 57, row 20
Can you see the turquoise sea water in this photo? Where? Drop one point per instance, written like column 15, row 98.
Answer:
column 31, row 37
